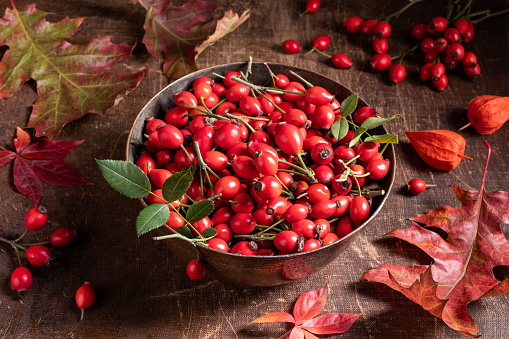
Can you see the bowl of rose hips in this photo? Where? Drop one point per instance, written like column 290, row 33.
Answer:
column 269, row 172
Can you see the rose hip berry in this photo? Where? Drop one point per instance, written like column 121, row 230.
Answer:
column 85, row 297
column 417, row 186
column 63, row 237
column 21, row 279
column 36, row 218
column 291, row 46
column 38, row 255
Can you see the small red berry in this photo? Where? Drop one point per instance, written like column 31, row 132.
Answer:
column 380, row 62
column 380, row 45
column 85, row 297
column 437, row 24
column 36, row 218
column 441, row 83
column 341, row 60
column 291, row 46
column 419, row 31
column 472, row 72
column 196, row 269
column 63, row 237
column 38, row 255
column 312, row 6
column 382, row 30
column 397, row 73
column 21, row 279
column 353, row 24
column 367, row 27
column 321, row 42
column 417, row 186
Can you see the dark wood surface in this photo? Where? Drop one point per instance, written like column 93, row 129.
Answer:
column 142, row 291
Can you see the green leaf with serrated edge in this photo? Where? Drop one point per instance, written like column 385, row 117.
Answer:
column 199, row 210
column 125, row 177
column 384, row 139
column 374, row 122
column 185, row 231
column 152, row 217
column 339, row 128
column 349, row 105
column 175, row 186
column 357, row 135
column 209, row 233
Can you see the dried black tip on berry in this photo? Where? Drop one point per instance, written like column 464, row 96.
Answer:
column 258, row 186
column 346, row 184
column 307, row 124
column 293, row 186
column 188, row 139
column 257, row 154
column 253, row 245
column 380, row 35
column 270, row 210
column 42, row 209
column 325, row 153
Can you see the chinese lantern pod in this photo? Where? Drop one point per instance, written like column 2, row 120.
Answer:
column 487, row 113
column 440, row 149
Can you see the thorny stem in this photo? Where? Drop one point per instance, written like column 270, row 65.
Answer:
column 21, row 236
column 209, row 112
column 463, row 11
column 271, row 226
column 13, row 244
column 323, row 53
column 202, row 163
column 272, row 102
column 398, row 13
column 489, row 15
column 404, row 54
column 306, row 169
column 187, row 154
column 249, row 127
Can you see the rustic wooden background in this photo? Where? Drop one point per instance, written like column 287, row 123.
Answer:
column 142, row 290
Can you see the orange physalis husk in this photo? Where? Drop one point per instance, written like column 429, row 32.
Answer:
column 487, row 113
column 440, row 149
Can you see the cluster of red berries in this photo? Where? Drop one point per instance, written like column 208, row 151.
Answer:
column 279, row 180
column 379, row 31
column 320, row 44
column 441, row 43
column 37, row 255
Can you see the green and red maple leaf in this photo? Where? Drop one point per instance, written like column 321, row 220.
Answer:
column 463, row 262
column 41, row 160
column 181, row 33
column 71, row 79
column 306, row 308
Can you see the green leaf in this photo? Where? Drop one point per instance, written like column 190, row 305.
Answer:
column 152, row 217
column 125, row 177
column 339, row 128
column 374, row 122
column 199, row 210
column 185, row 231
column 176, row 185
column 384, row 139
column 209, row 233
column 349, row 105
column 357, row 135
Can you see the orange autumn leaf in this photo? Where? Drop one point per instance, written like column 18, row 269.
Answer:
column 440, row 149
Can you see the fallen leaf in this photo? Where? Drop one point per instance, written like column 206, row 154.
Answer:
column 227, row 24
column 462, row 270
column 306, row 308
column 181, row 33
column 71, row 79
column 41, row 160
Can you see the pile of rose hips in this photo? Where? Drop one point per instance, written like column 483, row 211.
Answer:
column 37, row 254
column 279, row 180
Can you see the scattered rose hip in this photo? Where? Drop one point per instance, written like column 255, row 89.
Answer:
column 85, row 297
column 272, row 166
column 36, row 254
column 417, row 186
column 311, row 7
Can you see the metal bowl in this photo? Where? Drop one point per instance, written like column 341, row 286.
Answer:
column 256, row 270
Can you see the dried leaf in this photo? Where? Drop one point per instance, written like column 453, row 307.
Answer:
column 181, row 33
column 22, row 140
column 274, row 317
column 71, row 81
column 331, row 323
column 26, row 181
column 307, row 306
column 227, row 24
column 58, row 172
column 463, row 263
column 41, row 161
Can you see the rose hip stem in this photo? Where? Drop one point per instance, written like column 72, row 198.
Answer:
column 399, row 12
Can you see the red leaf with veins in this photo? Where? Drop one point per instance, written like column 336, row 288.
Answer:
column 57, row 172
column 22, row 140
column 41, row 161
column 463, row 263
column 71, row 79
column 26, row 180
column 6, row 156
column 309, row 305
column 181, row 33
column 50, row 149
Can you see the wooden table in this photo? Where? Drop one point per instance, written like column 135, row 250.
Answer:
column 142, row 290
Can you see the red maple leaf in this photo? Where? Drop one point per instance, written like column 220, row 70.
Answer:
column 181, row 33
column 41, row 160
column 307, row 307
column 463, row 262
column 71, row 79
